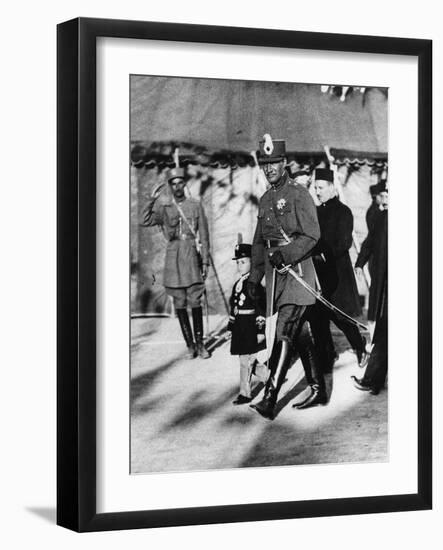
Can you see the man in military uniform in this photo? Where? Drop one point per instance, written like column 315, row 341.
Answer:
column 185, row 227
column 287, row 230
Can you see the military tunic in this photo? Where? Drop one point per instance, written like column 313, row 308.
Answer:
column 182, row 267
column 286, row 209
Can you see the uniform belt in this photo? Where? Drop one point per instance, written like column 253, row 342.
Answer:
column 182, row 238
column 269, row 243
column 246, row 312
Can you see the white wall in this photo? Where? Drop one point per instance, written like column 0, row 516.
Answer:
column 27, row 221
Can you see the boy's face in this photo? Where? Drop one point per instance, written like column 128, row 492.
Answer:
column 244, row 265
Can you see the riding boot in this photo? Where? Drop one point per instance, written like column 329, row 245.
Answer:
column 197, row 318
column 317, row 396
column 266, row 406
column 185, row 326
column 313, row 372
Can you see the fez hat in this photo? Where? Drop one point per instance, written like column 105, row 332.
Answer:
column 382, row 186
column 373, row 189
column 242, row 251
column 324, row 174
column 271, row 150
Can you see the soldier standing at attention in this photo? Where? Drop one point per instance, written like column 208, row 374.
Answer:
column 185, row 227
column 287, row 230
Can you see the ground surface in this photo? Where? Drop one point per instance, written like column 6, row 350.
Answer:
column 182, row 417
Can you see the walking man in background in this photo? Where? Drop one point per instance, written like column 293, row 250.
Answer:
column 185, row 227
column 374, row 251
column 334, row 270
column 375, row 247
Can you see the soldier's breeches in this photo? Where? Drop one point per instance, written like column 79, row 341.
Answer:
column 187, row 296
column 288, row 322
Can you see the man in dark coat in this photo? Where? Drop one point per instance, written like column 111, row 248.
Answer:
column 334, row 270
column 182, row 220
column 375, row 250
column 374, row 209
column 371, row 216
column 376, row 247
column 377, row 369
column 287, row 230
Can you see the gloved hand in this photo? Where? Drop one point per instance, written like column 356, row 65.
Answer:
column 276, row 259
column 251, row 289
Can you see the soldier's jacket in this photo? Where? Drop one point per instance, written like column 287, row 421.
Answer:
column 291, row 208
column 181, row 262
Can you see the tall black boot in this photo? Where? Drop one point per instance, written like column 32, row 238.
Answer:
column 357, row 341
column 266, row 406
column 313, row 371
column 197, row 319
column 185, row 325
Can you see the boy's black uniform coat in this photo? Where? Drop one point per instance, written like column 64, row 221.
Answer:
column 246, row 318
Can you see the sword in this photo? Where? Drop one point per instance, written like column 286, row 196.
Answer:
column 288, row 269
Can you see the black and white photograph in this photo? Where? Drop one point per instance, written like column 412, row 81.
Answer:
column 258, row 274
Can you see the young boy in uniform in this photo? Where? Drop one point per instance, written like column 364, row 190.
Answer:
column 246, row 324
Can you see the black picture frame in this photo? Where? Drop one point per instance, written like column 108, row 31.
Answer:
column 76, row 264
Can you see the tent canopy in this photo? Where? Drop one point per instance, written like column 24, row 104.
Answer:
column 231, row 116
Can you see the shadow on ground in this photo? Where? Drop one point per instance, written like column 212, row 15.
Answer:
column 48, row 514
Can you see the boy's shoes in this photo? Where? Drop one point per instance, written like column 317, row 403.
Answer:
column 241, row 400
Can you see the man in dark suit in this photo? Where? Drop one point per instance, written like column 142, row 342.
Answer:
column 334, row 271
column 374, row 209
column 375, row 247
column 374, row 250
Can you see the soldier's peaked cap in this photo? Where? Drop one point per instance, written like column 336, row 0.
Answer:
column 271, row 150
column 176, row 173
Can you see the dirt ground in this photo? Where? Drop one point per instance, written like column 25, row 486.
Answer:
column 182, row 417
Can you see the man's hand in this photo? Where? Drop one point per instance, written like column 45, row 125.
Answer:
column 251, row 289
column 277, row 260
column 260, row 338
column 157, row 190
column 204, row 271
